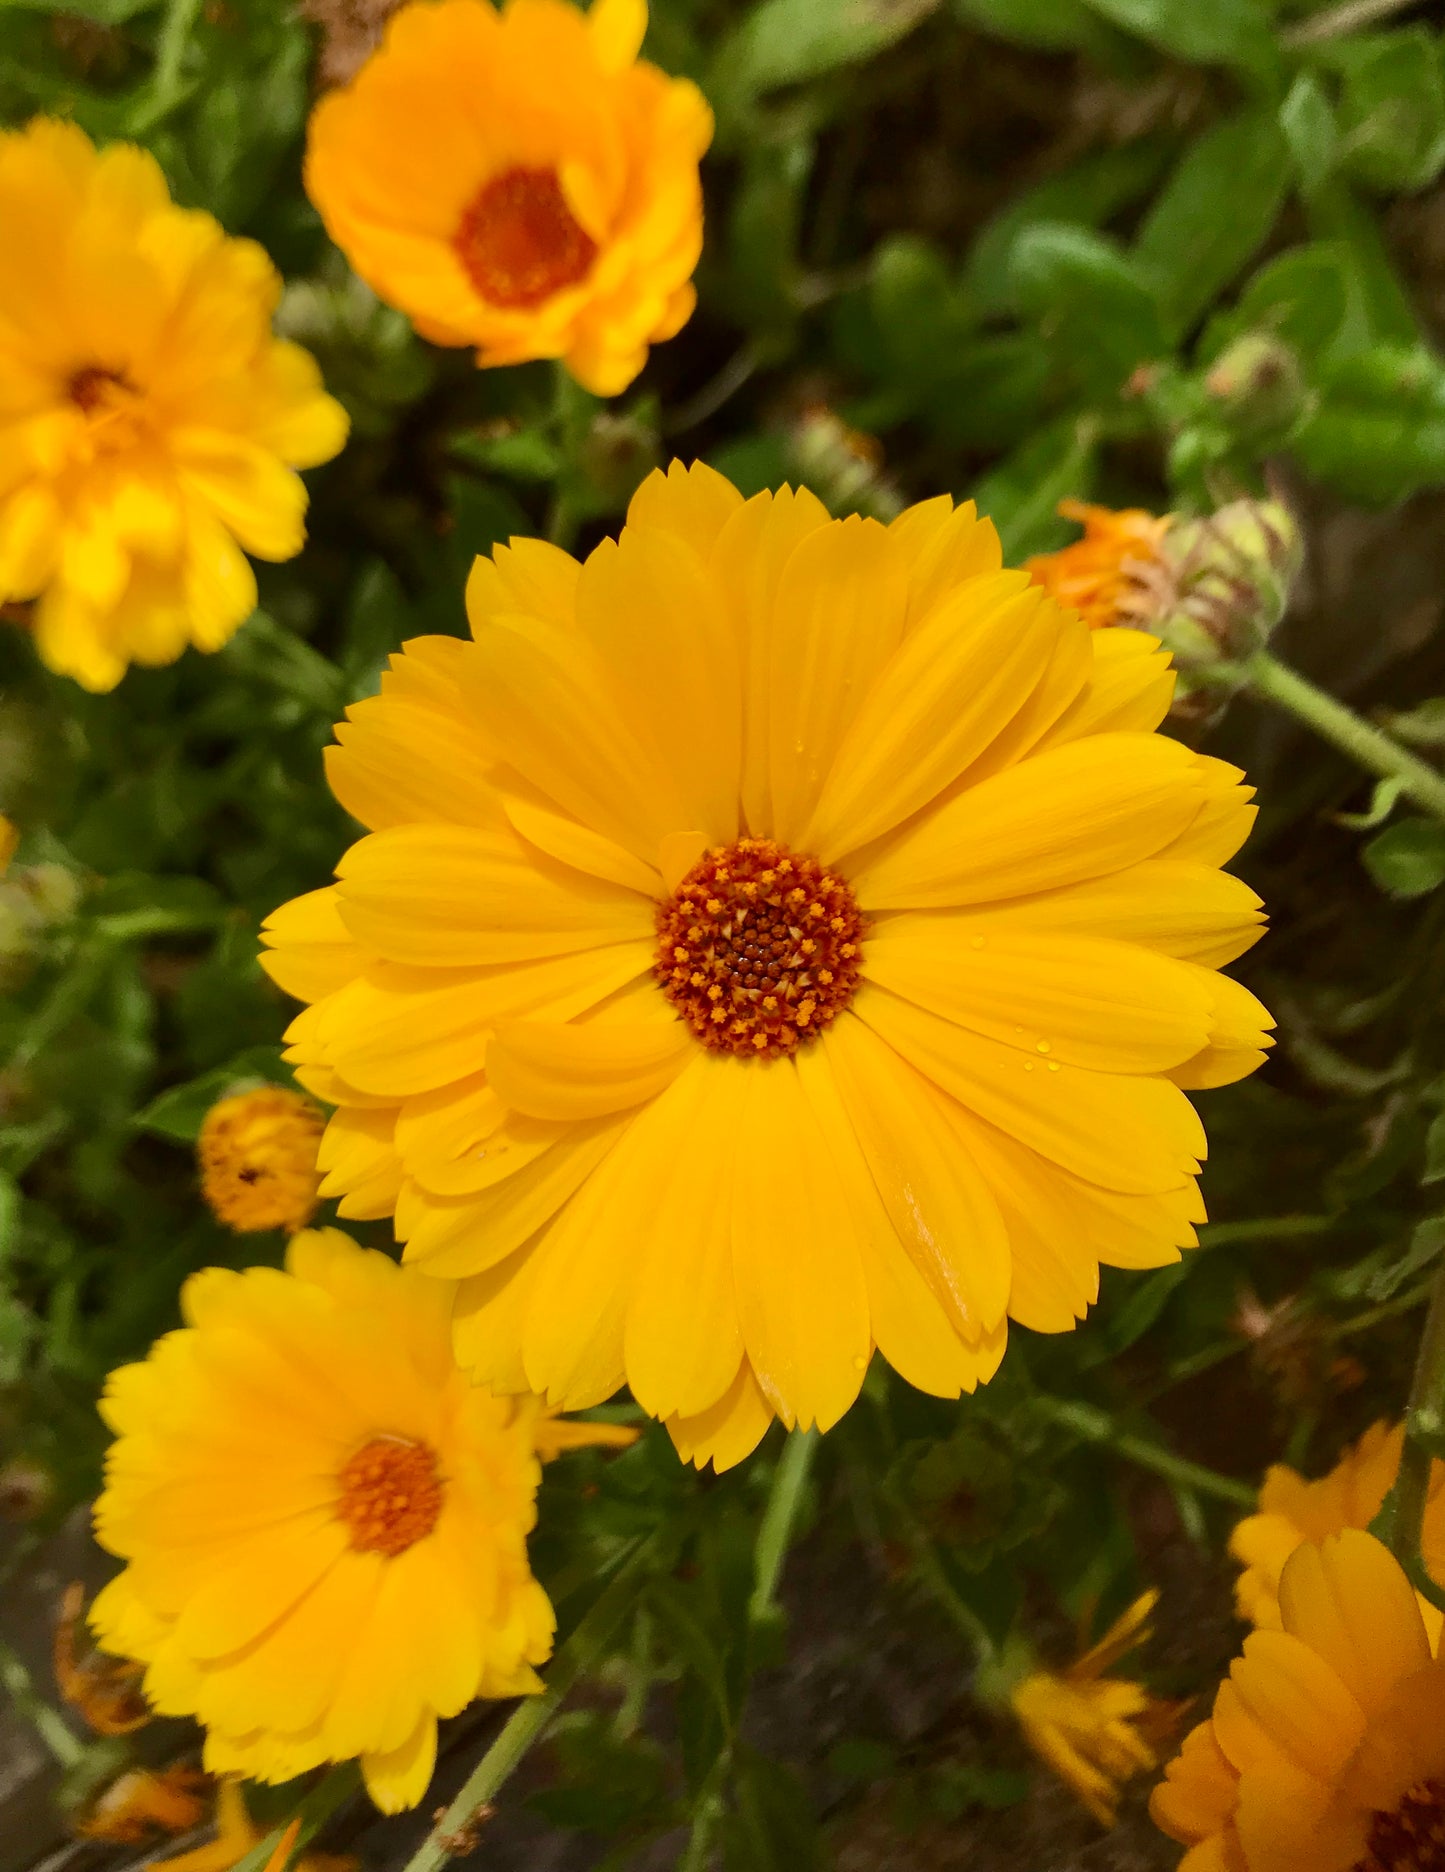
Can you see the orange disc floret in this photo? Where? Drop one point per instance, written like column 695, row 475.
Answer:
column 257, row 1152
column 391, row 1495
column 1109, row 576
column 759, row 949
column 519, row 181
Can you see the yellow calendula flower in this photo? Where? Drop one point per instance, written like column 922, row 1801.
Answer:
column 324, row 1523
column 778, row 937
column 519, row 180
column 1095, row 1731
column 1292, row 1510
column 1325, row 1751
column 257, row 1154
column 150, row 425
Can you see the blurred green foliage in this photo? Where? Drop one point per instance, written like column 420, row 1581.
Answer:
column 1137, row 250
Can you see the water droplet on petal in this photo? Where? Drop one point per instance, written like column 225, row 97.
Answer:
column 1046, row 1046
column 1053, row 1065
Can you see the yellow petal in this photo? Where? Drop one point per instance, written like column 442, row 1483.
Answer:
column 312, row 953
column 942, row 546
column 552, row 1069
column 1071, row 813
column 694, row 502
column 727, row 1431
column 397, row 1778
column 618, row 28
column 800, row 1293
column 1350, row 1602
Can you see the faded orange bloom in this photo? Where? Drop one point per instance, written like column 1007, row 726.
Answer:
column 104, row 1690
column 257, row 1153
column 139, row 1804
column 1105, row 576
column 237, row 1834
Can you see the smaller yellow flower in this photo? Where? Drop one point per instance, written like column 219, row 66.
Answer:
column 1107, row 575
column 257, row 1152
column 324, row 1523
column 1095, row 1731
column 1292, row 1510
column 150, row 424
column 519, row 181
column 1325, row 1750
column 237, row 1834
column 142, row 1802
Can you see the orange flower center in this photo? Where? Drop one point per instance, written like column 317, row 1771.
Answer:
column 759, row 949
column 391, row 1495
column 519, row 242
column 93, row 389
column 1411, row 1838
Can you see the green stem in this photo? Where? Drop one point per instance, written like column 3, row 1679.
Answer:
column 527, row 1722
column 1400, row 1520
column 1096, row 1426
column 1340, row 20
column 775, row 1533
column 1343, row 728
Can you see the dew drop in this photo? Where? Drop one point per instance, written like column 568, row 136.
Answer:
column 1028, row 1065
column 859, row 1364
column 1046, row 1046
column 1053, row 1065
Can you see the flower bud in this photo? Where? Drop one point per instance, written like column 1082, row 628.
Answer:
column 1257, row 386
column 1229, row 578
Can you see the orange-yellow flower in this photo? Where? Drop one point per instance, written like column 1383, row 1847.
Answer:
column 777, row 938
column 1094, row 1730
column 324, row 1524
column 519, row 181
column 257, row 1152
column 150, row 424
column 1325, row 1751
column 1106, row 575
column 1292, row 1510
column 142, row 1802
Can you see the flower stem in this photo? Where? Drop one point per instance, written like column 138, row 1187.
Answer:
column 1369, row 747
column 1096, row 1426
column 775, row 1534
column 526, row 1723
column 1400, row 1520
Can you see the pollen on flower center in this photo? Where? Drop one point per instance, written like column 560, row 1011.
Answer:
column 391, row 1495
column 519, row 241
column 759, row 948
column 1410, row 1838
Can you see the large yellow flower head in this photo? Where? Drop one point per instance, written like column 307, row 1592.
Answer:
column 149, row 422
column 519, row 181
column 1325, row 1751
column 1292, row 1510
column 778, row 938
column 324, row 1523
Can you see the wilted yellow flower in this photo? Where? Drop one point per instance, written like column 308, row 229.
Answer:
column 778, row 937
column 1096, row 1731
column 1325, row 1751
column 257, row 1152
column 149, row 422
column 1109, row 575
column 519, row 181
column 1292, row 1510
column 324, row 1523
column 142, row 1802
column 104, row 1691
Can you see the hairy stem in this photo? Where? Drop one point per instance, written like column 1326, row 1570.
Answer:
column 1367, row 746
column 1096, row 1426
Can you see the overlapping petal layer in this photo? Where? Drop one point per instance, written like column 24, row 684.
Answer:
column 997, row 1110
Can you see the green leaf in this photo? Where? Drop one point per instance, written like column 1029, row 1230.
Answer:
column 784, row 42
column 1422, row 726
column 1021, row 496
column 1378, row 434
column 179, row 1112
column 1434, row 1171
column 1392, row 107
column 1092, row 302
column 1054, row 25
column 1382, row 803
column 1215, row 211
column 1208, row 32
column 1301, row 296
column 1408, row 860
column 1310, row 130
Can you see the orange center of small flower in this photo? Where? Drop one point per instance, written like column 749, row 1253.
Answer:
column 759, row 948
column 519, row 241
column 1411, row 1838
column 391, row 1495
